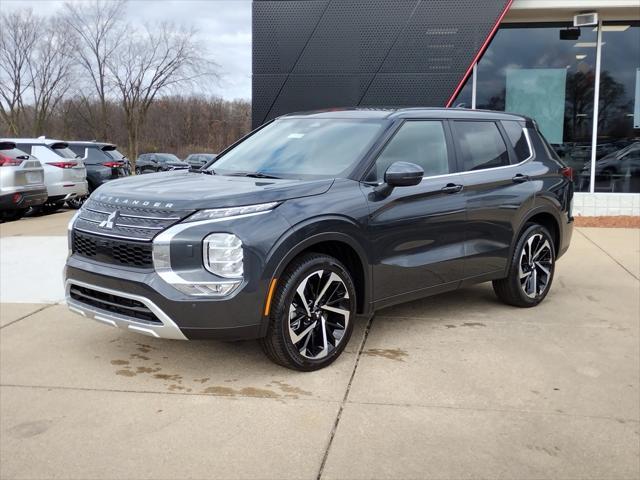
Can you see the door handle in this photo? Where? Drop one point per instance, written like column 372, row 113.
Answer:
column 451, row 188
column 519, row 178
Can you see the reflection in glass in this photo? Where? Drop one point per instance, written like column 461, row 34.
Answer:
column 618, row 153
column 528, row 69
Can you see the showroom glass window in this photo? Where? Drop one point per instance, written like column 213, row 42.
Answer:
column 618, row 150
column 529, row 69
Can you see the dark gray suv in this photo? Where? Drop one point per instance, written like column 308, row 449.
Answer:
column 315, row 219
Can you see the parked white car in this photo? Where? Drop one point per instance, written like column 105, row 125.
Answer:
column 21, row 182
column 65, row 175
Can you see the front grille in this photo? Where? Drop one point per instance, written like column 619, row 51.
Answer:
column 113, row 303
column 132, row 220
column 112, row 250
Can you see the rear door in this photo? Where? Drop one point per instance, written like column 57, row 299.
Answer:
column 497, row 179
column 416, row 232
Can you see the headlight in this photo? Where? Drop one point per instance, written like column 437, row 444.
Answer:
column 223, row 256
column 222, row 213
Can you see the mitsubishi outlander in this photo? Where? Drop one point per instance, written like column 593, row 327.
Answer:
column 315, row 219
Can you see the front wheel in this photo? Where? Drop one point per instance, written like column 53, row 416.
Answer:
column 531, row 269
column 312, row 314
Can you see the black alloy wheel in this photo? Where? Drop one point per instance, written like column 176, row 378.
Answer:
column 312, row 314
column 531, row 270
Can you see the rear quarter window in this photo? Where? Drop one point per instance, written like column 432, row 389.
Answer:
column 10, row 151
column 95, row 155
column 62, row 150
column 518, row 139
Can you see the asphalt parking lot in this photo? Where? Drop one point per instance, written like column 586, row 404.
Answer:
column 454, row 386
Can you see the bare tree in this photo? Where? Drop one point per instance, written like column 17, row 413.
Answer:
column 98, row 31
column 50, row 69
column 18, row 38
column 150, row 63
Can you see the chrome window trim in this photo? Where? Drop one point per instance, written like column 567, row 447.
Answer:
column 168, row 328
column 469, row 172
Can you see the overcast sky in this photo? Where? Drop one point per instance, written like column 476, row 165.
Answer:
column 224, row 27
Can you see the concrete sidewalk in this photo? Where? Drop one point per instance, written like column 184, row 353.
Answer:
column 455, row 386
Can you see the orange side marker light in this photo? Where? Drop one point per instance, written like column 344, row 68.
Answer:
column 272, row 288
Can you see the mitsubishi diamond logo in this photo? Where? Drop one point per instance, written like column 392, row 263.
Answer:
column 110, row 221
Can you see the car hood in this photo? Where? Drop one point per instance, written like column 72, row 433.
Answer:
column 191, row 190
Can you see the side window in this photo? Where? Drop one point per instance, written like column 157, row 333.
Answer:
column 78, row 150
column 481, row 145
column 25, row 147
column 518, row 139
column 418, row 141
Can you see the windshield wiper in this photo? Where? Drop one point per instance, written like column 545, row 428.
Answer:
column 251, row 175
column 206, row 172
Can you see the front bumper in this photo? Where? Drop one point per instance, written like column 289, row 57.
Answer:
column 238, row 317
column 166, row 329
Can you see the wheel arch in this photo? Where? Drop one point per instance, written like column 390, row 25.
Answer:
column 340, row 245
column 545, row 216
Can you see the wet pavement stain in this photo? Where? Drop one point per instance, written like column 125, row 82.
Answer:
column 138, row 356
column 126, row 373
column 473, row 324
column 165, row 376
column 246, row 391
column 201, row 380
column 173, row 388
column 29, row 429
column 286, row 388
column 119, row 362
column 396, row 354
column 450, row 326
column 147, row 370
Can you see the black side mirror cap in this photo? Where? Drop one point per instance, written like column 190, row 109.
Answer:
column 403, row 174
column 399, row 174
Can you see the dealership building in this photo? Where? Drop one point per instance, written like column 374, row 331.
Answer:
column 562, row 62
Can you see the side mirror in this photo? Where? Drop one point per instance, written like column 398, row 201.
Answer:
column 399, row 174
column 403, row 174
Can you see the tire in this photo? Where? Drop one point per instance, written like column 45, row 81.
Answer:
column 295, row 337
column 531, row 269
column 77, row 202
column 138, row 171
column 52, row 207
column 12, row 215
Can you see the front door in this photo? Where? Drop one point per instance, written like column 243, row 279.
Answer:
column 416, row 232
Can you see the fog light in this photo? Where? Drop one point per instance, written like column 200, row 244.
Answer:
column 206, row 289
column 223, row 255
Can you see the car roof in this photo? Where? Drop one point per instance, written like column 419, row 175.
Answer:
column 37, row 141
column 410, row 112
column 85, row 143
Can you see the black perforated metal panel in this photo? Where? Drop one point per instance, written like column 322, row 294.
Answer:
column 310, row 54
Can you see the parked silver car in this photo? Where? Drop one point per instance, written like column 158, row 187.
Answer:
column 21, row 182
column 65, row 175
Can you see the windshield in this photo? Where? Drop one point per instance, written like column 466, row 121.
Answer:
column 167, row 157
column 302, row 147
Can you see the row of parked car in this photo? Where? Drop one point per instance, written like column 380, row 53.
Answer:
column 44, row 174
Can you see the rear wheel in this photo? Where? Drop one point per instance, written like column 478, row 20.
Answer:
column 531, row 270
column 11, row 215
column 52, row 207
column 312, row 314
column 77, row 202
